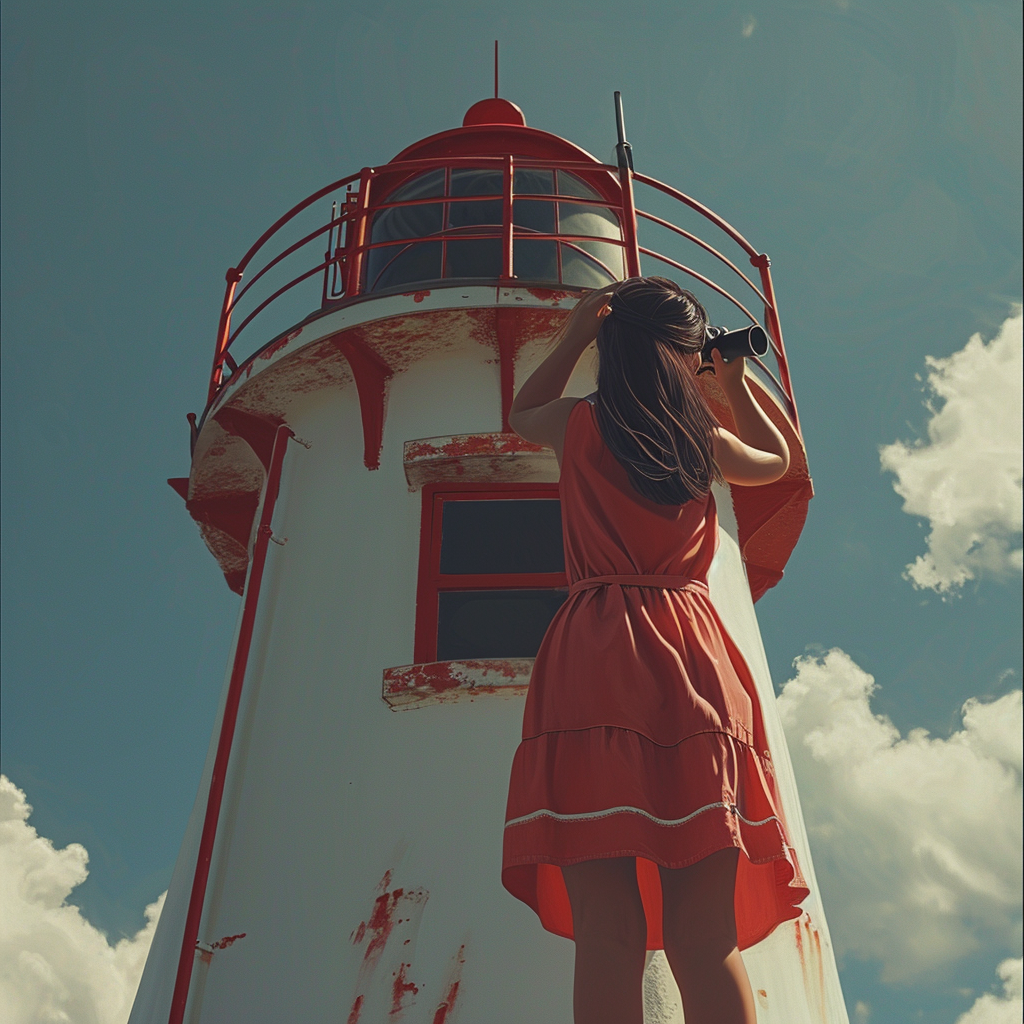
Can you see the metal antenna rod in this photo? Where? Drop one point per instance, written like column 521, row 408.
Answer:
column 623, row 150
column 495, row 68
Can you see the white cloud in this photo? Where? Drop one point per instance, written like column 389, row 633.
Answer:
column 966, row 478
column 916, row 839
column 1007, row 1008
column 55, row 967
column 749, row 24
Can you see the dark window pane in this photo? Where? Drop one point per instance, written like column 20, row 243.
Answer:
column 535, row 261
column 420, row 187
column 534, row 215
column 529, row 182
column 396, row 265
column 502, row 536
column 477, row 258
column 494, row 623
column 570, row 185
column 470, row 214
column 406, row 222
column 467, row 181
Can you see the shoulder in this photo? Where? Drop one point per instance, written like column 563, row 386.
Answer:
column 546, row 424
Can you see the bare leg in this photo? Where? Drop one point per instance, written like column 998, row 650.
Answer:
column 700, row 941
column 611, row 941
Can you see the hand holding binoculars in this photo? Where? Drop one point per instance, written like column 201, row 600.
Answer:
column 747, row 341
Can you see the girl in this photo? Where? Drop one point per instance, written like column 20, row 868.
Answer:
column 642, row 811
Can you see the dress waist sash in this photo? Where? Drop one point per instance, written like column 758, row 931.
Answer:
column 655, row 581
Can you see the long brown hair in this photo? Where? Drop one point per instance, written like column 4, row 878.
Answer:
column 650, row 411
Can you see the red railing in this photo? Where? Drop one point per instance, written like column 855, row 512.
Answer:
column 348, row 243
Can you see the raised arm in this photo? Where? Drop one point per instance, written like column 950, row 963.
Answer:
column 759, row 454
column 539, row 413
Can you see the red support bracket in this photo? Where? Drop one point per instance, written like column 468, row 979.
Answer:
column 257, row 432
column 371, row 374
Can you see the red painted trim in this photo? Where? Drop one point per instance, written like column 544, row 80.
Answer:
column 186, row 958
column 180, row 486
column 431, row 580
column 371, row 374
column 507, row 265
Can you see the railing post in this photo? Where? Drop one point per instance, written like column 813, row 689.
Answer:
column 771, row 315
column 357, row 235
column 327, row 255
column 233, row 276
column 507, row 265
column 624, row 155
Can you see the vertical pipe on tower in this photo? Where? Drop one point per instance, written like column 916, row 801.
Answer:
column 186, row 959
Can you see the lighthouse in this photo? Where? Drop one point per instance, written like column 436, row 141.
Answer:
column 398, row 554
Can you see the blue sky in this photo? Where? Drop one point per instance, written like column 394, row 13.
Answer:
column 872, row 149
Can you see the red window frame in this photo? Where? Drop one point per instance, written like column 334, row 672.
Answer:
column 432, row 581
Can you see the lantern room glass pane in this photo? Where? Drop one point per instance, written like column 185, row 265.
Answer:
column 535, row 260
column 533, row 182
column 411, row 221
column 473, row 258
column 494, row 623
column 583, row 271
column 577, row 219
column 483, row 213
column 393, row 266
column 406, row 222
column 470, row 181
column 501, row 536
column 570, row 185
column 421, row 187
column 534, row 215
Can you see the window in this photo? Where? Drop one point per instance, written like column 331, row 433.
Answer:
column 492, row 570
column 422, row 255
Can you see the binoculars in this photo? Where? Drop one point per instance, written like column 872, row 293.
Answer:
column 747, row 341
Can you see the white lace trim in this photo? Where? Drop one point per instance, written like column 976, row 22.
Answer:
column 593, row 815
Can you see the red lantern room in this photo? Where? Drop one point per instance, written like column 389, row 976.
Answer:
column 493, row 202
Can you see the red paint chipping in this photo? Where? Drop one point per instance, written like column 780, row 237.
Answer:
column 548, row 294
column 357, row 1009
column 206, row 956
column 228, row 940
column 419, row 296
column 272, row 349
column 391, row 908
column 400, row 989
column 445, row 1010
column 381, row 923
column 441, row 1013
column 445, row 681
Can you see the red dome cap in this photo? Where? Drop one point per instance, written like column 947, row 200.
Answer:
column 494, row 111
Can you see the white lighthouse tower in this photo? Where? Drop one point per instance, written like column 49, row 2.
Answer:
column 398, row 552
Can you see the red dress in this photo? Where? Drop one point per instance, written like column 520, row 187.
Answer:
column 642, row 733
